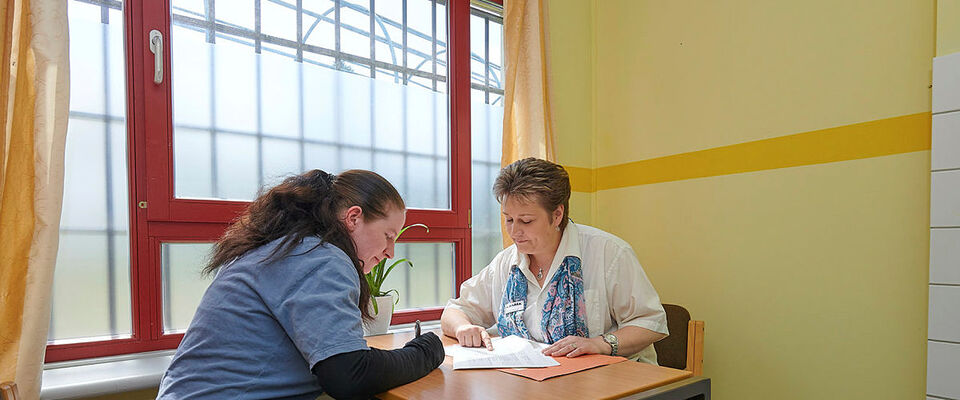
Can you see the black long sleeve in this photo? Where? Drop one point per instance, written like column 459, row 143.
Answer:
column 363, row 373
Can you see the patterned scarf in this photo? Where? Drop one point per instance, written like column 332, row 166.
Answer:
column 564, row 312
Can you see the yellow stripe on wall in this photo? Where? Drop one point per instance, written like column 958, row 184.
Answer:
column 883, row 137
column 581, row 179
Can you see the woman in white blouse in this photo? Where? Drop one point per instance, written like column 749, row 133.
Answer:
column 576, row 287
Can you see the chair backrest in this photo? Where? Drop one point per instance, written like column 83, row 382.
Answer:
column 683, row 348
column 672, row 350
column 8, row 391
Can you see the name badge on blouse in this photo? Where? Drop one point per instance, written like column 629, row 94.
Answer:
column 513, row 307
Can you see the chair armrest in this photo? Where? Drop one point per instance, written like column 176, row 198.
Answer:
column 8, row 391
column 695, row 347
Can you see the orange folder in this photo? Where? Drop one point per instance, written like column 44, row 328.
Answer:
column 567, row 366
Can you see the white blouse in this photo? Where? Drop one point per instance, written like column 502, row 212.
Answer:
column 617, row 291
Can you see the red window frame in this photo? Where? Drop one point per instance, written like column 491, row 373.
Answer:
column 157, row 216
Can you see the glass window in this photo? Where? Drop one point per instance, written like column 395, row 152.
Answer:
column 261, row 92
column 91, row 288
column 183, row 283
column 430, row 282
column 486, row 125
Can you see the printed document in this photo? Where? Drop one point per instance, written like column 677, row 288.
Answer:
column 508, row 352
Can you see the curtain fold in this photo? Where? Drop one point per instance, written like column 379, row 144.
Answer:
column 527, row 116
column 34, row 101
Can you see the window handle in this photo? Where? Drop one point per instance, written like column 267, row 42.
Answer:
column 156, row 47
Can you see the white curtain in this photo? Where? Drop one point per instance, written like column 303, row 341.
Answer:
column 34, row 96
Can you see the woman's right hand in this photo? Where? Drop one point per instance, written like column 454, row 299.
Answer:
column 431, row 345
column 473, row 336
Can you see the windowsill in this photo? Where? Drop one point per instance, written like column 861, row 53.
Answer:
column 124, row 373
column 100, row 376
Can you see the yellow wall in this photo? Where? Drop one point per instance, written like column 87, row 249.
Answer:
column 811, row 278
column 571, row 60
column 679, row 76
column 948, row 27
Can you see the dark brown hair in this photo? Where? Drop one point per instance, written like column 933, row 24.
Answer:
column 306, row 205
column 533, row 179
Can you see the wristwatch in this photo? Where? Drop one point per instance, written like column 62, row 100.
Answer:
column 614, row 343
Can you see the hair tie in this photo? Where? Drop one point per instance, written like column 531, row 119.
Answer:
column 325, row 180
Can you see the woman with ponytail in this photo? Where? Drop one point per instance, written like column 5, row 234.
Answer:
column 282, row 317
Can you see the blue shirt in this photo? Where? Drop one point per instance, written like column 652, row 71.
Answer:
column 261, row 327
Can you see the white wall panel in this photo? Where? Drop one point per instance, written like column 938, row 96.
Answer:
column 945, row 256
column 946, row 83
column 944, row 321
column 946, row 141
column 943, row 350
column 945, row 198
column 943, row 369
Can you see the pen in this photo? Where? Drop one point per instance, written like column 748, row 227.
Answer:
column 416, row 328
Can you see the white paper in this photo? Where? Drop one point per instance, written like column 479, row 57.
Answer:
column 508, row 352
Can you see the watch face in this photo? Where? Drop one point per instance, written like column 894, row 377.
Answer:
column 612, row 341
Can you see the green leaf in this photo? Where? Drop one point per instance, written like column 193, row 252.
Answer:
column 408, row 227
column 381, row 275
column 375, row 277
column 395, row 264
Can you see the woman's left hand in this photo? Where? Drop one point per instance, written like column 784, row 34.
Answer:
column 573, row 346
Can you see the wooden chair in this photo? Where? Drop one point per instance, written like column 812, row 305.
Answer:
column 683, row 349
column 8, row 391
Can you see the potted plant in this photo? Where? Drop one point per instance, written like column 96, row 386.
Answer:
column 382, row 301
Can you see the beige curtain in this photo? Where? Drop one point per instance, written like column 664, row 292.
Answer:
column 34, row 94
column 527, row 127
column 527, row 117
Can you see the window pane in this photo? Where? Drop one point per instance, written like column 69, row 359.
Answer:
column 431, row 280
column 183, row 285
column 486, row 109
column 430, row 283
column 253, row 103
column 91, row 285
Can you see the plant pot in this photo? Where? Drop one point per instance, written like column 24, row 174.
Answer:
column 381, row 321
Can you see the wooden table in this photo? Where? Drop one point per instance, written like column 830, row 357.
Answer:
column 607, row 382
